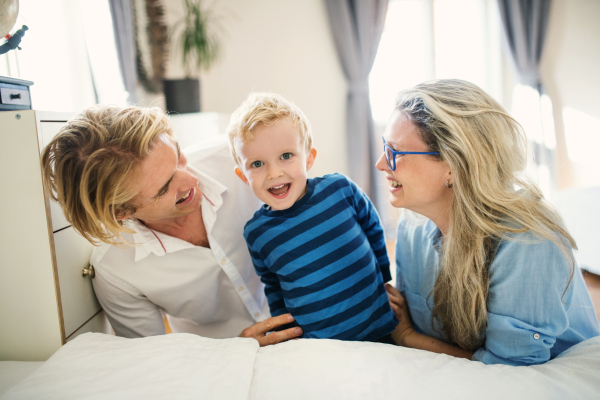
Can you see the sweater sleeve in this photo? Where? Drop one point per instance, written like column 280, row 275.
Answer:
column 528, row 302
column 371, row 225
column 272, row 285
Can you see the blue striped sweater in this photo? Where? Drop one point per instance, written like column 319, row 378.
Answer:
column 324, row 260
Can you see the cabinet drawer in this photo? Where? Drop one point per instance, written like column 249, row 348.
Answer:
column 79, row 303
column 49, row 130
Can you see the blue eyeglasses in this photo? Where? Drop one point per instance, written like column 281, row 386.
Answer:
column 390, row 154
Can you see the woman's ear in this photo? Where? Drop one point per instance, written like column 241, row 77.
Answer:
column 310, row 160
column 241, row 175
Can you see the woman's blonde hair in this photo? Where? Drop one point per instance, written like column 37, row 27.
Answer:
column 89, row 164
column 266, row 109
column 486, row 150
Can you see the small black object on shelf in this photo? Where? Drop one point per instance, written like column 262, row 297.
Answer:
column 14, row 94
column 182, row 95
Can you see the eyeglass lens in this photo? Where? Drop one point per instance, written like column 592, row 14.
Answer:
column 388, row 156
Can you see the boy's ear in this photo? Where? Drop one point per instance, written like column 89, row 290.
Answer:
column 241, row 175
column 310, row 160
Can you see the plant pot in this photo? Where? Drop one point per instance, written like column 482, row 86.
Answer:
column 182, row 95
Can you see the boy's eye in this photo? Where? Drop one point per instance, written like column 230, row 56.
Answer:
column 256, row 164
column 286, row 156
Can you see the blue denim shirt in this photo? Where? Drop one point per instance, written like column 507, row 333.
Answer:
column 530, row 321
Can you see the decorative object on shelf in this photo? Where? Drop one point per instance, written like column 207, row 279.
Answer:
column 151, row 43
column 197, row 39
column 14, row 94
column 9, row 11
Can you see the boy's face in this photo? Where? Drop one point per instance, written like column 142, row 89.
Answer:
column 274, row 163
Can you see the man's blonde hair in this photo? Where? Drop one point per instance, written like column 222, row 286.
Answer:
column 89, row 164
column 266, row 109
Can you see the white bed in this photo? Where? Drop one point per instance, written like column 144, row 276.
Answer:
column 185, row 366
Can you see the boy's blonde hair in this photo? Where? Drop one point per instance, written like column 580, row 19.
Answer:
column 88, row 167
column 266, row 109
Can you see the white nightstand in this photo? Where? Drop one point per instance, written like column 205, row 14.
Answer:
column 44, row 299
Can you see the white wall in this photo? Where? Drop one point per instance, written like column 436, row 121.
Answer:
column 281, row 46
column 570, row 70
column 285, row 46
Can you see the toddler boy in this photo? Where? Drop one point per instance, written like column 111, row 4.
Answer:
column 317, row 244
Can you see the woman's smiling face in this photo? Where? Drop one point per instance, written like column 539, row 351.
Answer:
column 419, row 181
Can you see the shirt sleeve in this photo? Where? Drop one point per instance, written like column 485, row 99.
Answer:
column 129, row 312
column 272, row 285
column 527, row 303
column 371, row 225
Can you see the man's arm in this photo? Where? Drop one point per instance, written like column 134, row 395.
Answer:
column 263, row 331
column 129, row 312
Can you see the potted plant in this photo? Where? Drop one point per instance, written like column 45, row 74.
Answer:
column 196, row 38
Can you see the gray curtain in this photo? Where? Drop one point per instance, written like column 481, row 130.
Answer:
column 122, row 18
column 357, row 26
column 524, row 23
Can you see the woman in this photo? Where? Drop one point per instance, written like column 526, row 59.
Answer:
column 489, row 274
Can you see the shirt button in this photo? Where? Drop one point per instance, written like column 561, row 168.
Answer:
column 536, row 336
column 240, row 288
column 256, row 314
column 223, row 261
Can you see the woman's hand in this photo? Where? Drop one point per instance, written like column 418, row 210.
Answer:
column 398, row 304
column 259, row 331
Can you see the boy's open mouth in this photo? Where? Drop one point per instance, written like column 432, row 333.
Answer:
column 280, row 190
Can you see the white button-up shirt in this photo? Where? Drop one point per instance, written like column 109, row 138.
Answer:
column 213, row 292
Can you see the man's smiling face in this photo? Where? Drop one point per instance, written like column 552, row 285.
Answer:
column 165, row 187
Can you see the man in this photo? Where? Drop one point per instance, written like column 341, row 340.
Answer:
column 170, row 227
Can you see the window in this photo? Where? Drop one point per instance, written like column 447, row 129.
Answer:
column 55, row 55
column 435, row 39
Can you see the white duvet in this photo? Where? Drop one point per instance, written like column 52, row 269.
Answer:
column 185, row 366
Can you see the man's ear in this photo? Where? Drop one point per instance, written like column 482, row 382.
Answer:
column 310, row 160
column 241, row 175
column 125, row 211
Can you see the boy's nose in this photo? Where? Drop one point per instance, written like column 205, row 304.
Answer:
column 274, row 171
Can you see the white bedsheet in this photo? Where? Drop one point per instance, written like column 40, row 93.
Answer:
column 175, row 366
column 184, row 366
column 13, row 372
column 329, row 369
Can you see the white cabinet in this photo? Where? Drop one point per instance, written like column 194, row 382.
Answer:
column 44, row 299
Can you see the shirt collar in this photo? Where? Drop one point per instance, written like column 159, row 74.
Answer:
column 212, row 189
column 435, row 235
column 148, row 241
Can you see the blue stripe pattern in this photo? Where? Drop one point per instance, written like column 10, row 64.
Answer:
column 324, row 261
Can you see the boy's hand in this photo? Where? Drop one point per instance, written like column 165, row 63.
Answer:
column 259, row 330
column 400, row 308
